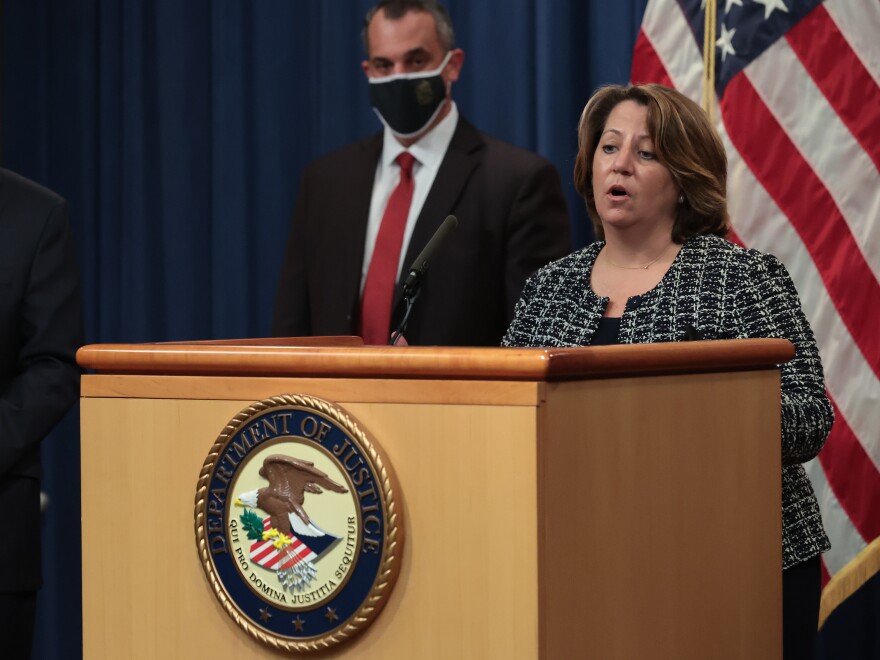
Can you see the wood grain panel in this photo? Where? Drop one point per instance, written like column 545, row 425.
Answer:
column 660, row 518
column 468, row 583
column 513, row 393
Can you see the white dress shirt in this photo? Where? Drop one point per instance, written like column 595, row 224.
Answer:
column 428, row 152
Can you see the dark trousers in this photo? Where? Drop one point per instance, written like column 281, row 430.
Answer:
column 801, row 591
column 17, row 613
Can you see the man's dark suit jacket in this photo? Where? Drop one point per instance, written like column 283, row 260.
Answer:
column 512, row 220
column 40, row 330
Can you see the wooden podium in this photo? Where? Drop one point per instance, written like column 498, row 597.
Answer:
column 615, row 502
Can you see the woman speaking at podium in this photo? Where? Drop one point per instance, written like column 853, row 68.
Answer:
column 653, row 173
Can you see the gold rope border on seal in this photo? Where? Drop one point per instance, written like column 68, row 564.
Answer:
column 394, row 531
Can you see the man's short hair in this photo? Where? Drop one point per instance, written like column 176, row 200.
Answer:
column 395, row 9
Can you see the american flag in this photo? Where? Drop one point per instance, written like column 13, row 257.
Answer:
column 798, row 106
column 268, row 556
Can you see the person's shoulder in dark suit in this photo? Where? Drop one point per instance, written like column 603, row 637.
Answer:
column 511, row 156
column 40, row 330
column 523, row 190
column 40, row 319
column 18, row 194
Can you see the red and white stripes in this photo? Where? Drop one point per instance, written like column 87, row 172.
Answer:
column 277, row 559
column 801, row 124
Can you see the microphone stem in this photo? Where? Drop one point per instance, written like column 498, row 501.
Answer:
column 409, row 305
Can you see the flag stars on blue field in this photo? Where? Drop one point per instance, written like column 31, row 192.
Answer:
column 770, row 6
column 725, row 42
column 744, row 29
column 727, row 4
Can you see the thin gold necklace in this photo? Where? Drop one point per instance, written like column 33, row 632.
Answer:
column 645, row 267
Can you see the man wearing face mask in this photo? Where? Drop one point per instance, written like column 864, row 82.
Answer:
column 365, row 212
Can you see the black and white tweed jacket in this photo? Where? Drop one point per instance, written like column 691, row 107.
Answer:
column 724, row 292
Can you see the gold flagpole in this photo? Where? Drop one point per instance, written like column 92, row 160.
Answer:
column 709, row 59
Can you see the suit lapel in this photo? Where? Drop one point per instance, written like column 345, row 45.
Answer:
column 462, row 157
column 351, row 226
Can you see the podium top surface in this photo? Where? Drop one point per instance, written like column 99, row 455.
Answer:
column 348, row 358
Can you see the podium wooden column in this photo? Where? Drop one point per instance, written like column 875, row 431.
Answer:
column 614, row 502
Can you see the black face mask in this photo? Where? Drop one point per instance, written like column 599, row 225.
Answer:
column 408, row 102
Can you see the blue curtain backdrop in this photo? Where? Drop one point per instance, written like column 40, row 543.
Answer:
column 178, row 132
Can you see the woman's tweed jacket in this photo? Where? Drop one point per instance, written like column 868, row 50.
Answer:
column 724, row 292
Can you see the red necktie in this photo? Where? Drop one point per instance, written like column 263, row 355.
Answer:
column 382, row 274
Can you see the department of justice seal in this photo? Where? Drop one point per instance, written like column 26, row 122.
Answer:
column 298, row 523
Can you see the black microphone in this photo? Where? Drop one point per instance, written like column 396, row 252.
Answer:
column 420, row 265
column 413, row 282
